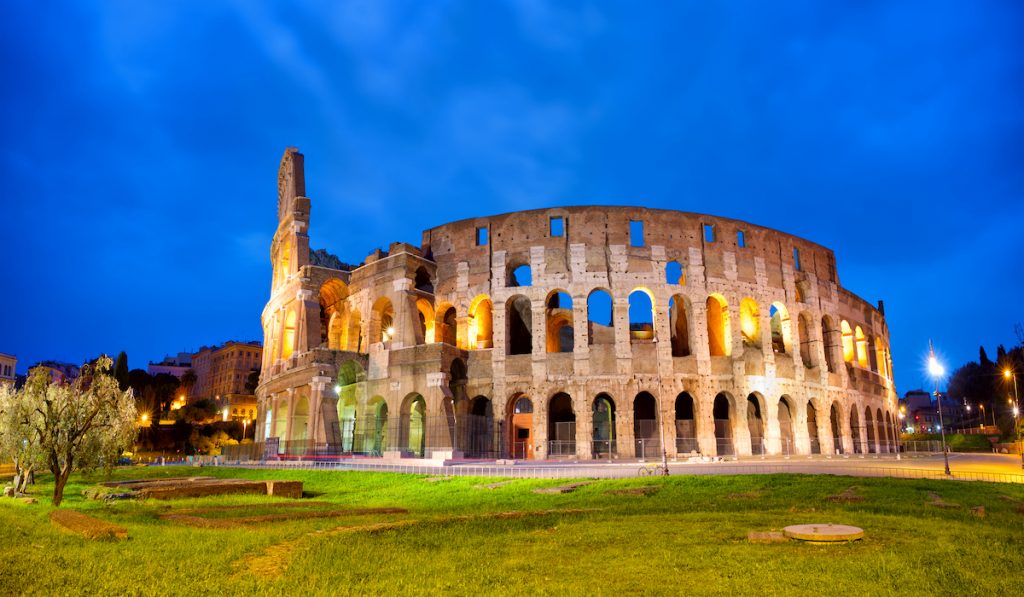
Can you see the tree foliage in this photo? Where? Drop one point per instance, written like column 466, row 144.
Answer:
column 67, row 427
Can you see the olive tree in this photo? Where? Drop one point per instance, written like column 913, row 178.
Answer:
column 67, row 427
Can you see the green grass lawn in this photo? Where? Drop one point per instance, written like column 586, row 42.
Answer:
column 688, row 537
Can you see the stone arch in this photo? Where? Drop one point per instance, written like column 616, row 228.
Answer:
column 300, row 421
column 787, row 425
column 723, row 413
column 750, row 322
column 558, row 321
column 807, row 355
column 781, row 326
column 686, row 424
column 870, row 425
column 481, row 323
column 645, row 425
column 755, row 423
column 858, row 447
column 518, row 325
column 835, row 418
column 862, row 347
column 641, row 315
column 719, row 330
column 352, row 331
column 812, row 428
column 881, row 432
column 830, row 343
column 283, row 264
column 425, row 314
column 281, row 421
column 382, row 321
column 290, row 333
column 375, row 437
column 603, row 435
column 600, row 323
column 333, row 293
column 480, row 434
column 412, row 425
column 518, row 274
column 849, row 354
column 561, row 425
column 883, row 367
column 520, row 415
column 679, row 324
column 446, row 326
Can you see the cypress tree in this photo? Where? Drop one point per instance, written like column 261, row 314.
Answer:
column 121, row 371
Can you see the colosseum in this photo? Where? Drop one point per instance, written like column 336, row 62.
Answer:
column 569, row 333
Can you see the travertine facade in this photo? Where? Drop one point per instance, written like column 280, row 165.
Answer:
column 586, row 332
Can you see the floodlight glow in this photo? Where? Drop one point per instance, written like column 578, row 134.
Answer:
column 337, row 389
column 934, row 367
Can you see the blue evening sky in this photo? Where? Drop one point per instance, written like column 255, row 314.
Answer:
column 141, row 143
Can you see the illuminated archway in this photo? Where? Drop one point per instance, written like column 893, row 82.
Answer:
column 750, row 322
column 641, row 315
column 847, row 336
column 719, row 333
column 678, row 315
column 481, row 321
column 559, row 322
column 782, row 333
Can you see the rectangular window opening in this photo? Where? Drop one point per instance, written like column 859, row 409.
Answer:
column 636, row 233
column 709, row 233
column 741, row 239
column 557, row 226
column 796, row 259
column 481, row 236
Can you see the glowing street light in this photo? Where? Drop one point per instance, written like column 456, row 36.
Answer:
column 936, row 369
column 1010, row 373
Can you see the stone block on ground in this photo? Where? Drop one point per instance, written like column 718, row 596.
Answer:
column 285, row 489
column 561, row 489
column 87, row 526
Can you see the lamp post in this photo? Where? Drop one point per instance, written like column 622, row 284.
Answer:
column 245, row 423
column 1008, row 373
column 936, row 370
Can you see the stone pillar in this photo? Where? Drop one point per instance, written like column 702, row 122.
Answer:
column 772, row 430
column 584, row 425
column 624, row 446
column 825, row 439
column 801, row 438
column 740, row 429
column 704, row 421
column 540, row 427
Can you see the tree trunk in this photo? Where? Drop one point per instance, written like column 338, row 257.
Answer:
column 60, row 479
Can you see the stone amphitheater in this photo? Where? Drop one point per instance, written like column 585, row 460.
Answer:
column 569, row 333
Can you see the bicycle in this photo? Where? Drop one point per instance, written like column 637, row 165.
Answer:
column 652, row 469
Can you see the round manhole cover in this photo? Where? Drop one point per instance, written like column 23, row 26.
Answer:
column 824, row 533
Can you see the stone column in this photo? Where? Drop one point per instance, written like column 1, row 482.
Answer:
column 740, row 428
column 584, row 425
column 772, row 430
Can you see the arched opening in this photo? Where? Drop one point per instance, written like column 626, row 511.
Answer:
column 561, row 426
column 281, row 421
column 520, row 275
column 382, row 325
column 375, row 440
column 481, row 318
column 862, row 347
column 674, row 273
column 679, row 325
column 300, row 425
column 352, row 331
column 604, row 426
column 881, row 431
column 521, row 429
column 425, row 314
column 348, row 374
column 870, row 425
column 288, row 347
column 723, row 425
column 883, row 368
column 847, row 336
column 891, row 433
column 481, row 428
column 641, row 316
column 518, row 321
column 837, row 435
column 447, row 326
column 686, row 425
column 413, row 425
column 600, row 327
column 283, row 264
column 755, row 424
column 828, row 337
column 812, row 428
column 804, row 330
column 750, row 322
column 858, row 446
column 332, row 297
column 719, row 333
column 645, row 426
column 558, row 322
column 423, row 282
column 787, row 428
column 782, row 333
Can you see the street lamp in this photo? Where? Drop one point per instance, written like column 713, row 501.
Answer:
column 1008, row 373
column 935, row 368
column 245, row 423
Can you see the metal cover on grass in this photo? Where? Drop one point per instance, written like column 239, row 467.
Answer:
column 824, row 533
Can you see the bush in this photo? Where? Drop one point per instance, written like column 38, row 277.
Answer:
column 957, row 442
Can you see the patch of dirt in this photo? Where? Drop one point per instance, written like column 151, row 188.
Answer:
column 936, row 500
column 289, row 505
column 497, row 485
column 745, row 495
column 86, row 526
column 767, row 537
column 437, row 479
column 850, row 495
column 645, row 490
column 562, row 489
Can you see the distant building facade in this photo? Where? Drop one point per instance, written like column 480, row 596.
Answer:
column 172, row 365
column 8, row 364
column 221, row 374
column 59, row 371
